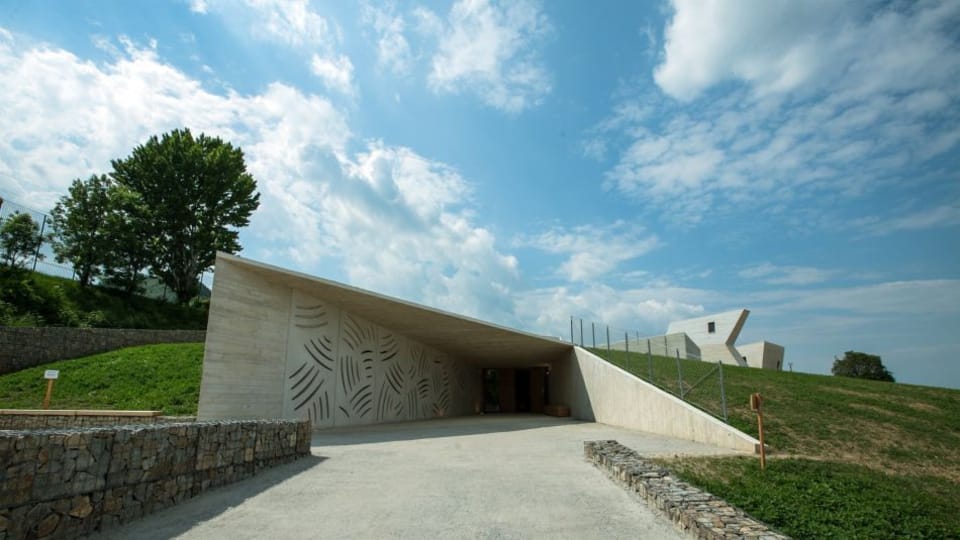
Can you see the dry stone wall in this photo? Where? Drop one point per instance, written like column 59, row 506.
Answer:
column 65, row 484
column 704, row 516
column 21, row 348
column 20, row 420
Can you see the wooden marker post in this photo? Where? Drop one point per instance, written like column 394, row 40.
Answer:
column 50, row 375
column 756, row 404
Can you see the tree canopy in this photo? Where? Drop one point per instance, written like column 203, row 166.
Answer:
column 862, row 366
column 82, row 235
column 194, row 192
column 20, row 239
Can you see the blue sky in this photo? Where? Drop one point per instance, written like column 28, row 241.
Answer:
column 630, row 163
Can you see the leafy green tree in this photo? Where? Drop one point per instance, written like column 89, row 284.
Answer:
column 195, row 193
column 79, row 218
column 128, row 229
column 862, row 366
column 19, row 239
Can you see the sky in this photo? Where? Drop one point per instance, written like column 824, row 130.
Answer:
column 523, row 162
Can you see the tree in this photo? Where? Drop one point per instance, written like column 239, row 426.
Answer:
column 128, row 228
column 862, row 366
column 80, row 221
column 19, row 239
column 195, row 192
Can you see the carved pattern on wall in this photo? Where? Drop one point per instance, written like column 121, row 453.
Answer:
column 343, row 370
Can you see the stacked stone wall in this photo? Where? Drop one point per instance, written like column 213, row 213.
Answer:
column 20, row 421
column 21, row 348
column 702, row 515
column 65, row 484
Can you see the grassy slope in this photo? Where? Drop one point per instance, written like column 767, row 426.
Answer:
column 852, row 457
column 152, row 377
column 63, row 302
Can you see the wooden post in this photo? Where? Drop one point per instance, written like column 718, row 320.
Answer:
column 46, row 398
column 756, row 403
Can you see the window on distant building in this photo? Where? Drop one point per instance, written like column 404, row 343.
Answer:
column 711, row 327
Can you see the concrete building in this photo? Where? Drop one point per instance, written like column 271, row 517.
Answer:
column 281, row 344
column 716, row 337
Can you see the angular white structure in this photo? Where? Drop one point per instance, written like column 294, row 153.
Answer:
column 281, row 344
column 716, row 335
column 762, row 354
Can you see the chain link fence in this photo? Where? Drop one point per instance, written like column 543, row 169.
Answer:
column 43, row 259
column 671, row 362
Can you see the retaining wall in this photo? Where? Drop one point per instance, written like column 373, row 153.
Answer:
column 65, row 484
column 66, row 419
column 21, row 348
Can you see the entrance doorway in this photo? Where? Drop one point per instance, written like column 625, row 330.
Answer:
column 513, row 390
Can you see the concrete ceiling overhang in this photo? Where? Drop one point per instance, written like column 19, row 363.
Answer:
column 463, row 338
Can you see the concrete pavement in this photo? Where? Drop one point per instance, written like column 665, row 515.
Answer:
column 496, row 476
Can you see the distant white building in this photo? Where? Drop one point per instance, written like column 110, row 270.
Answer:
column 713, row 338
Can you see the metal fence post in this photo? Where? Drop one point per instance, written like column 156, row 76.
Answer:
column 723, row 392
column 679, row 374
column 581, row 332
column 650, row 360
column 571, row 330
column 608, row 340
column 593, row 332
column 36, row 254
column 626, row 345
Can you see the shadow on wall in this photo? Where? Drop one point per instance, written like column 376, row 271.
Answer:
column 437, row 428
column 176, row 520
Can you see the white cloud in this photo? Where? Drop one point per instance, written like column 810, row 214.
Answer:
column 199, row 6
column 386, row 218
column 786, row 275
column 336, row 73
column 490, row 49
column 291, row 22
column 393, row 49
column 594, row 251
column 930, row 218
column 835, row 101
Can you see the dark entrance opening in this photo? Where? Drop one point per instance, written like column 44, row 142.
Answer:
column 509, row 390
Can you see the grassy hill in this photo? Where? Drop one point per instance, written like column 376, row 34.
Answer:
column 34, row 299
column 152, row 377
column 851, row 458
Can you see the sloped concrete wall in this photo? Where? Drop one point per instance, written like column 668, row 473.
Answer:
column 598, row 391
column 278, row 352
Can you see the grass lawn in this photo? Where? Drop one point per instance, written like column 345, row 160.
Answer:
column 152, row 377
column 851, row 458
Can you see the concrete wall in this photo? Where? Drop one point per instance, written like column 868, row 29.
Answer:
column 21, row 348
column 667, row 345
column 726, row 325
column 278, row 352
column 67, row 484
column 763, row 354
column 598, row 391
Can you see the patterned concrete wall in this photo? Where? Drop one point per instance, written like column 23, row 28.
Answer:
column 21, row 348
column 274, row 351
column 343, row 370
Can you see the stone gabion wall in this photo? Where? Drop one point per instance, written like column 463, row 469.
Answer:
column 47, row 421
column 21, row 348
column 65, row 484
column 705, row 516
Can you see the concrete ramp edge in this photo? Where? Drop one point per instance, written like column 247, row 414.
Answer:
column 610, row 395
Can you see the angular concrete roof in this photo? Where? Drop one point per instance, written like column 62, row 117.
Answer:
column 481, row 343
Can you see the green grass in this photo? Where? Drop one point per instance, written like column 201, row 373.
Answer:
column 151, row 377
column 886, row 446
column 34, row 299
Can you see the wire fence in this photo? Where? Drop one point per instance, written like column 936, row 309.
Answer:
column 671, row 362
column 43, row 259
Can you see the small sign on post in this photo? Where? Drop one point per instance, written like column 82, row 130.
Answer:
column 756, row 404
column 50, row 375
